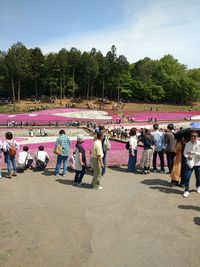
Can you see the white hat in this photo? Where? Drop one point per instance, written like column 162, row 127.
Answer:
column 80, row 137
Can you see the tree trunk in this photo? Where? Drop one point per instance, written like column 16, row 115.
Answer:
column 88, row 89
column 91, row 90
column 13, row 92
column 103, row 87
column 19, row 90
column 36, row 89
column 64, row 85
column 73, row 84
column 60, row 89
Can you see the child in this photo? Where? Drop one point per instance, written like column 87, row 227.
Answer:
column 41, row 158
column 24, row 160
column 80, row 161
column 10, row 147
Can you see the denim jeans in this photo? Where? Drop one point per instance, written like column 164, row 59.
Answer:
column 188, row 173
column 132, row 161
column 79, row 175
column 11, row 160
column 161, row 156
column 61, row 158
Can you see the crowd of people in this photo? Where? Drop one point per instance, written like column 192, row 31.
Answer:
column 182, row 154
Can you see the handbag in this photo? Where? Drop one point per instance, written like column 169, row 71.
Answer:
column 190, row 163
column 58, row 149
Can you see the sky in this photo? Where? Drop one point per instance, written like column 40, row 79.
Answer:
column 138, row 28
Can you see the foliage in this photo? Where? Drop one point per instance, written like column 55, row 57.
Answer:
column 91, row 74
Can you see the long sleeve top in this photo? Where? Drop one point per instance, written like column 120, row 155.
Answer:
column 195, row 149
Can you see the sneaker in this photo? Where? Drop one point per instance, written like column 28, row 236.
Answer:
column 162, row 171
column 186, row 194
column 79, row 185
column 98, row 188
column 56, row 174
column 14, row 174
column 198, row 189
column 8, row 176
column 155, row 170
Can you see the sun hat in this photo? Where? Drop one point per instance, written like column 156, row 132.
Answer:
column 80, row 137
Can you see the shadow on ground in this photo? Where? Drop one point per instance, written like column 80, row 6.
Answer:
column 70, row 182
column 161, row 185
column 191, row 207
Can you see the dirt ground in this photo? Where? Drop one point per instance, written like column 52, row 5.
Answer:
column 136, row 220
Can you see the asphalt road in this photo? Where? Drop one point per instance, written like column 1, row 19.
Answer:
column 136, row 220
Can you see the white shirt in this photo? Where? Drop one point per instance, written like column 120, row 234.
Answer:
column 23, row 157
column 133, row 142
column 41, row 155
column 195, row 150
column 7, row 144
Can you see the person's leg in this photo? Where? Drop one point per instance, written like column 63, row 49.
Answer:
column 97, row 173
column 161, row 156
column 82, row 173
column 65, row 160
column 183, row 166
column 77, row 173
column 8, row 166
column 29, row 163
column 58, row 164
column 188, row 173
column 135, row 160
column 130, row 162
column 154, row 160
column 197, row 175
column 104, row 163
column 14, row 166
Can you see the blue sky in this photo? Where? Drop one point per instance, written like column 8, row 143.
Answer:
column 138, row 28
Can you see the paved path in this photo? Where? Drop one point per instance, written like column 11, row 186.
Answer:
column 135, row 220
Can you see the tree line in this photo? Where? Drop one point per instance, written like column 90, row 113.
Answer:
column 28, row 72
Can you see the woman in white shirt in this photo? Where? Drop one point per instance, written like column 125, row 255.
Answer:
column 192, row 154
column 133, row 141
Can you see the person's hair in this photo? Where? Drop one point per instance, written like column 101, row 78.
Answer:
column 9, row 136
column 170, row 126
column 25, row 148
column 99, row 135
column 41, row 148
column 156, row 126
column 147, row 135
column 61, row 132
column 101, row 128
column 133, row 132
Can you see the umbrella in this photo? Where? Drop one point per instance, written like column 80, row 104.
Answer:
column 195, row 124
column 186, row 132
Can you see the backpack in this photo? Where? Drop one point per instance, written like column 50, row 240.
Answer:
column 127, row 145
column 106, row 144
column 12, row 150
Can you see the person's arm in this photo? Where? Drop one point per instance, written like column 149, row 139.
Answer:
column 186, row 151
column 100, row 161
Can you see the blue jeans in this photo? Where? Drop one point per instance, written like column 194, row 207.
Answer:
column 132, row 160
column 188, row 173
column 11, row 160
column 79, row 176
column 104, row 163
column 61, row 158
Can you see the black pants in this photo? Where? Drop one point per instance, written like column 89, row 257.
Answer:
column 161, row 156
column 170, row 160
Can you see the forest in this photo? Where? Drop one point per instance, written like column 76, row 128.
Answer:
column 26, row 73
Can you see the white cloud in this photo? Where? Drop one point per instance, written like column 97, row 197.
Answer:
column 151, row 29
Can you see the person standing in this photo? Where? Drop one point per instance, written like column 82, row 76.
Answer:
column 97, row 162
column 10, row 147
column 192, row 154
column 80, row 161
column 158, row 138
column 170, row 143
column 133, row 141
column 65, row 143
column 147, row 156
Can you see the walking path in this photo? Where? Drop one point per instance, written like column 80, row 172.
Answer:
column 135, row 220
